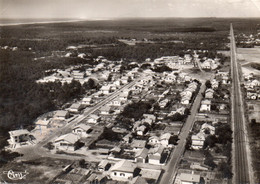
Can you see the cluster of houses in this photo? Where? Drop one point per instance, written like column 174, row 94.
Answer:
column 249, row 39
column 175, row 61
column 187, row 94
column 142, row 151
column 252, row 86
column 199, row 138
column 193, row 168
column 210, row 64
column 8, row 48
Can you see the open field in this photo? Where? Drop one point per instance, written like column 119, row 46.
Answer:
column 247, row 57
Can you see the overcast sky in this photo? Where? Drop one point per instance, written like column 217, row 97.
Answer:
column 102, row 9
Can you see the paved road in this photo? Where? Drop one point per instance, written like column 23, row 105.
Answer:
column 240, row 157
column 171, row 168
column 37, row 150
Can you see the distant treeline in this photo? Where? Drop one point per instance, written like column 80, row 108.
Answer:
column 183, row 29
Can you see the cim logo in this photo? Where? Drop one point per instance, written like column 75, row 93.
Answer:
column 16, row 175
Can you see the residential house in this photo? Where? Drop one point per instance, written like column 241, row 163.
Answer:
column 154, row 140
column 117, row 83
column 105, row 110
column 198, row 140
column 185, row 100
column 61, row 114
column 82, row 55
column 205, row 105
column 251, row 94
column 77, row 75
column 141, row 155
column 151, row 175
column 164, row 139
column 76, row 108
column 155, row 155
column 163, row 103
column 214, row 84
column 82, row 130
column 254, row 83
column 209, row 93
column 87, row 100
column 138, row 144
column 105, row 89
column 124, row 79
column 123, row 96
column 170, row 78
column 94, row 178
column 43, row 123
column 206, row 65
column 186, row 178
column 66, row 142
column 208, row 127
column 147, row 120
column 127, row 138
column 141, row 130
column 123, row 171
column 19, row 136
column 150, row 117
column 116, row 102
column 103, row 165
column 93, row 119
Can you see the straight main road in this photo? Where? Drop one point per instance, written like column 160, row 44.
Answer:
column 171, row 167
column 83, row 116
column 240, row 147
column 37, row 150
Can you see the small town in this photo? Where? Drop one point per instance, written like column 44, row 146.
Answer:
column 129, row 92
column 136, row 120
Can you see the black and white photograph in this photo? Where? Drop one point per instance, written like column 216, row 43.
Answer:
column 129, row 91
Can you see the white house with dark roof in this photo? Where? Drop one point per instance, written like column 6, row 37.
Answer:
column 122, row 171
column 155, row 155
column 93, row 119
column 66, row 142
column 138, row 144
column 141, row 155
column 141, row 130
column 61, row 114
column 87, row 100
column 104, row 110
column 19, row 136
column 209, row 93
column 164, row 139
column 105, row 89
column 81, row 130
column 76, row 108
column 197, row 141
column 205, row 105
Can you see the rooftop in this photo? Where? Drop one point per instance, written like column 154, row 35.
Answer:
column 70, row 137
column 82, row 126
column 19, row 132
column 138, row 143
column 124, row 166
column 190, row 177
column 61, row 113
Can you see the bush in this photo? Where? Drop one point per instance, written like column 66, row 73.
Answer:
column 49, row 146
